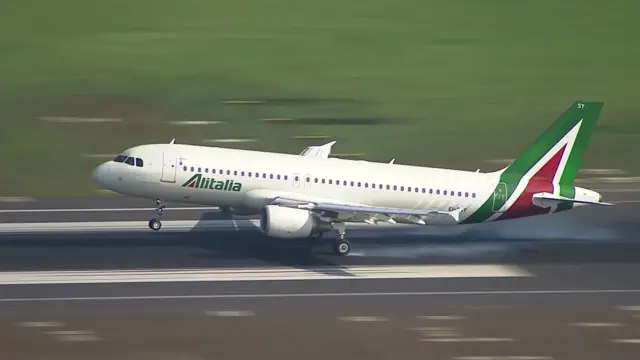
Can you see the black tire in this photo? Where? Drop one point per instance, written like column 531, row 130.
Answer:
column 342, row 247
column 155, row 224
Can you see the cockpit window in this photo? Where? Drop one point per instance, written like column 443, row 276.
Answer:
column 138, row 162
column 129, row 161
column 120, row 158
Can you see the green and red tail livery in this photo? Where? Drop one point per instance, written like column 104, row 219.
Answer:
column 550, row 165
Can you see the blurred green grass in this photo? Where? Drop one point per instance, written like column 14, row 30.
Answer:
column 439, row 82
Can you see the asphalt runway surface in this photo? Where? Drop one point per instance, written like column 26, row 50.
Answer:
column 560, row 287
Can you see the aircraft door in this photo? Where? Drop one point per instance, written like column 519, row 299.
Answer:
column 296, row 180
column 169, row 167
column 499, row 197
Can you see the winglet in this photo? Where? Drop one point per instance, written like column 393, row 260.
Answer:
column 172, row 141
column 392, row 161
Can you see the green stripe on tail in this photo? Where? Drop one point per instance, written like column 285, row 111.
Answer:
column 583, row 114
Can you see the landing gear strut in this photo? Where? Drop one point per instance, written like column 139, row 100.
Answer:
column 154, row 223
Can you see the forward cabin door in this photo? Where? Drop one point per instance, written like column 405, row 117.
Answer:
column 169, row 167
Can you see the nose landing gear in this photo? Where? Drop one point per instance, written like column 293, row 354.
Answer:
column 155, row 224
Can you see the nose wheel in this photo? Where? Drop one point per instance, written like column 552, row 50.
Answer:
column 155, row 224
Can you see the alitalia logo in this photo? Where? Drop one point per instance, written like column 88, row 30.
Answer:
column 198, row 181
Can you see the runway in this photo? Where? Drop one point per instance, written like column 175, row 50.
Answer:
column 560, row 287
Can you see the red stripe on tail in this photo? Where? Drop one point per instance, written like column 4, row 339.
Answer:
column 542, row 181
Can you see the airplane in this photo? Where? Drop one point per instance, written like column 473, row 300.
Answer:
column 303, row 196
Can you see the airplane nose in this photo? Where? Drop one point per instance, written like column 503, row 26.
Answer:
column 100, row 174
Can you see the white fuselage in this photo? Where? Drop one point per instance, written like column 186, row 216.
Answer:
column 263, row 175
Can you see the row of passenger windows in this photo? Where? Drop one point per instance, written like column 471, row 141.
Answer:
column 133, row 161
column 332, row 182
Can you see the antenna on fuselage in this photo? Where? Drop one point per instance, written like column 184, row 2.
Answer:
column 172, row 141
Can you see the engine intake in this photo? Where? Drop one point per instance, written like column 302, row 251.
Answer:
column 285, row 222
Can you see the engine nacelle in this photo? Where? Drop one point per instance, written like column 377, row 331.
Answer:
column 285, row 222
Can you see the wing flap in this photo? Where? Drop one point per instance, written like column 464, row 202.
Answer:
column 412, row 215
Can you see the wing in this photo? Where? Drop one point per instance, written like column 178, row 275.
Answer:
column 372, row 214
column 321, row 151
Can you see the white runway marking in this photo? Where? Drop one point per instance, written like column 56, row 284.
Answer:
column 503, row 358
column 441, row 317
column 68, row 119
column 363, row 318
column 629, row 308
column 74, row 335
column 472, row 339
column 436, row 332
column 39, row 324
column 596, row 324
column 194, row 122
column 16, row 199
column 322, row 295
column 626, row 341
column 259, row 274
column 229, row 313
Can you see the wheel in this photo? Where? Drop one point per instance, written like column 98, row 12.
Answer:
column 342, row 247
column 155, row 224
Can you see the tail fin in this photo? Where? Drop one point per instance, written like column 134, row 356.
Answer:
column 556, row 156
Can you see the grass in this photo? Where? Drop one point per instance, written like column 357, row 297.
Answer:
column 429, row 82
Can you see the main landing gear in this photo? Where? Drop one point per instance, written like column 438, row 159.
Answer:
column 155, row 224
column 340, row 245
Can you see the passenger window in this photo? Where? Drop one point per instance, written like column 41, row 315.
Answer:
column 235, row 173
column 296, row 178
column 120, row 158
column 184, row 168
column 199, row 169
column 330, row 181
column 323, row 181
column 213, row 171
column 287, row 177
column 270, row 176
column 278, row 177
column 138, row 162
column 129, row 161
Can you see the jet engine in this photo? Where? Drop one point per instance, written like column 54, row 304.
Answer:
column 285, row 222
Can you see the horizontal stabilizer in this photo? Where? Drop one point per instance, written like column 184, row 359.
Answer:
column 546, row 199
